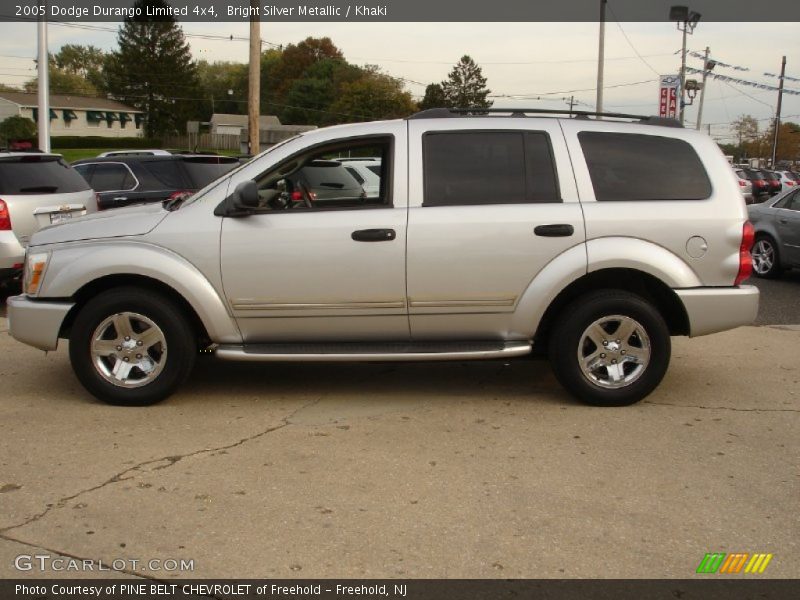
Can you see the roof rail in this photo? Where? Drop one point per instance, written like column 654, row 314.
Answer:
column 444, row 113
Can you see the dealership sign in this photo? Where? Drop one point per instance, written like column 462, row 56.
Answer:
column 668, row 96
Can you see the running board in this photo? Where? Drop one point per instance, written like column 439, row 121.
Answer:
column 373, row 351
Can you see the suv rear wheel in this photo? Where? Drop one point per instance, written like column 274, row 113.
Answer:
column 131, row 347
column 610, row 348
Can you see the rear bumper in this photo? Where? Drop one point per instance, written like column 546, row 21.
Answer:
column 35, row 322
column 11, row 251
column 717, row 309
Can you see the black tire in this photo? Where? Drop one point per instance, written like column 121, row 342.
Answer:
column 762, row 242
column 567, row 339
column 178, row 358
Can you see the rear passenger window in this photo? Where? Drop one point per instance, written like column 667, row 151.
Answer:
column 628, row 166
column 488, row 167
column 165, row 173
column 112, row 177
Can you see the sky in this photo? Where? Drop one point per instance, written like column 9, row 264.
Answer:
column 531, row 65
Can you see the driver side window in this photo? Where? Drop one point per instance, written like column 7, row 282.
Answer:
column 351, row 174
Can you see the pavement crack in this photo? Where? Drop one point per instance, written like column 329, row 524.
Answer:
column 157, row 464
column 793, row 410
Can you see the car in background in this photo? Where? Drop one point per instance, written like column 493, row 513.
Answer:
column 125, row 180
column 773, row 180
column 134, row 153
column 36, row 189
column 367, row 171
column 777, row 234
column 745, row 186
column 759, row 183
column 788, row 178
column 324, row 181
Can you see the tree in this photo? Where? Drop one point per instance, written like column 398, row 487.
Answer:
column 434, row 97
column 153, row 70
column 17, row 127
column 215, row 81
column 745, row 128
column 311, row 95
column 296, row 59
column 63, row 82
column 465, row 86
column 374, row 96
column 86, row 61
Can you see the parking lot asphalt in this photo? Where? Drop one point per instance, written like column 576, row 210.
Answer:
column 482, row 470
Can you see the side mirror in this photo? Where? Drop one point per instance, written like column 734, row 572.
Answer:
column 242, row 202
column 245, row 195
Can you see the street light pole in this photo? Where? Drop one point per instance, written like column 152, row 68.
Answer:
column 686, row 21
column 778, row 114
column 43, row 86
column 601, row 53
column 683, row 75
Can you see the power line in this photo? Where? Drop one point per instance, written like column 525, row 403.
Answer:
column 625, row 35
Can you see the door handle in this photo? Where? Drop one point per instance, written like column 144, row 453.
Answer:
column 556, row 230
column 119, row 198
column 374, row 235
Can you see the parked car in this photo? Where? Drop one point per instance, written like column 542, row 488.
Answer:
column 774, row 181
column 125, row 180
column 745, row 186
column 36, row 189
column 759, row 182
column 788, row 179
column 366, row 171
column 492, row 235
column 777, row 234
column 111, row 153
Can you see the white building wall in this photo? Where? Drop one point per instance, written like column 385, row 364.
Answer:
column 82, row 127
column 8, row 109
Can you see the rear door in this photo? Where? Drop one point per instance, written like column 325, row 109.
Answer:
column 789, row 229
column 488, row 210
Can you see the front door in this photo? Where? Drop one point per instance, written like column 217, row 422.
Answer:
column 322, row 260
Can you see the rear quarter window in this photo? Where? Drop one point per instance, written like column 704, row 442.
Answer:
column 39, row 175
column 636, row 167
column 204, row 170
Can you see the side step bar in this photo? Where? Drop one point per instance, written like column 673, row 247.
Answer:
column 373, row 351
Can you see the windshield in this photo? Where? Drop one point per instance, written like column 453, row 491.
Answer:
column 231, row 172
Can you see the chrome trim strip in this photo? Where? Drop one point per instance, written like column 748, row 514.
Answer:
column 245, row 305
column 510, row 349
column 462, row 303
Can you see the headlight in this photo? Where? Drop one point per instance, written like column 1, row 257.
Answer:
column 35, row 266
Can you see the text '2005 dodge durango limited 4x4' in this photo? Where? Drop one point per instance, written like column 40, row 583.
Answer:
column 490, row 234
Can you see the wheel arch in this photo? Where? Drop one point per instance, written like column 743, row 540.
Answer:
column 637, row 282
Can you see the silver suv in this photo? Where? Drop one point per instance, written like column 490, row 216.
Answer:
column 36, row 189
column 491, row 235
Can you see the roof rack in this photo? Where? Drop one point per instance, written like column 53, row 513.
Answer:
column 445, row 113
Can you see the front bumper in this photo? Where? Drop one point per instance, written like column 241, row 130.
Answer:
column 36, row 322
column 717, row 309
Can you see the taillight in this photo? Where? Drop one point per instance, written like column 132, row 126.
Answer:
column 297, row 196
column 745, row 259
column 97, row 201
column 5, row 218
column 742, row 183
column 178, row 194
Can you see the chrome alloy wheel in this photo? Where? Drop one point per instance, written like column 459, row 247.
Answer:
column 763, row 256
column 614, row 351
column 128, row 350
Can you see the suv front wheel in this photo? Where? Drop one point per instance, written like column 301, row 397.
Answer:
column 131, row 347
column 610, row 348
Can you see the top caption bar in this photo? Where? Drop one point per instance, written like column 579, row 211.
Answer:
column 393, row 11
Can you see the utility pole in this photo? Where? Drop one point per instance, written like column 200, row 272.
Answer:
column 43, row 85
column 254, row 79
column 778, row 114
column 703, row 89
column 683, row 75
column 601, row 53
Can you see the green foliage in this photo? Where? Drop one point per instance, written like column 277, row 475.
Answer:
column 215, row 81
column 17, row 128
column 104, row 143
column 86, row 61
column 152, row 70
column 465, row 86
column 374, row 96
column 63, row 82
column 434, row 97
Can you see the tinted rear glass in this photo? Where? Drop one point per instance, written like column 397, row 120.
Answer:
column 165, row 175
column 331, row 177
column 108, row 177
column 39, row 175
column 628, row 166
column 488, row 167
column 203, row 171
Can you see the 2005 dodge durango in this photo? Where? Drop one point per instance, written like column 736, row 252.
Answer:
column 594, row 239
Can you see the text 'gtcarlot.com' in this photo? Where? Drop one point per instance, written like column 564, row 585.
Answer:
column 45, row 562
